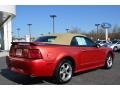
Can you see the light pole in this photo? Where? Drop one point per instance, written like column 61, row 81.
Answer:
column 97, row 25
column 67, row 30
column 53, row 17
column 18, row 30
column 106, row 26
column 48, row 32
column 29, row 25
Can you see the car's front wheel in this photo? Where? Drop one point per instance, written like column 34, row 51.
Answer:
column 115, row 49
column 109, row 62
column 63, row 72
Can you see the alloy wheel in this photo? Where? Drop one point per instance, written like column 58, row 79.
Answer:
column 109, row 61
column 65, row 71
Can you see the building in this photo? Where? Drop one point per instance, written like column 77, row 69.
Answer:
column 7, row 13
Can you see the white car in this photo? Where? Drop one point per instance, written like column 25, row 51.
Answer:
column 0, row 46
column 115, row 45
column 103, row 42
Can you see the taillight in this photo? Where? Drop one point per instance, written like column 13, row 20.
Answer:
column 32, row 54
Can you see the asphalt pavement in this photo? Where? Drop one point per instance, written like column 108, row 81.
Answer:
column 92, row 77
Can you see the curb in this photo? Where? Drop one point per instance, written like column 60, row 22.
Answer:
column 3, row 54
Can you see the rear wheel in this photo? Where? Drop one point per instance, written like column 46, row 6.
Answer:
column 63, row 72
column 109, row 62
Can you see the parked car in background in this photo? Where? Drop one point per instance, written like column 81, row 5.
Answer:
column 0, row 46
column 103, row 42
column 115, row 45
column 58, row 56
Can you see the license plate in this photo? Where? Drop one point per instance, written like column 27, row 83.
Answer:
column 19, row 52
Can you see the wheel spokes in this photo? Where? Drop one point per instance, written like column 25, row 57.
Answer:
column 67, row 67
column 63, row 76
column 109, row 61
column 65, row 72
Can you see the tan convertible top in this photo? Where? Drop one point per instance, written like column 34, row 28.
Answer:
column 63, row 38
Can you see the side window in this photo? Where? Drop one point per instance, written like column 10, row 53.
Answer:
column 74, row 42
column 119, row 42
column 81, row 41
column 78, row 41
column 89, row 42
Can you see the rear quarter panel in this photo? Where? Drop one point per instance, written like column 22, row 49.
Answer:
column 55, row 54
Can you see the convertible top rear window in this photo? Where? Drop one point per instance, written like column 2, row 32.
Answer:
column 45, row 39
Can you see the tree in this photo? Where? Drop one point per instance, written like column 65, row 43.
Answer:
column 74, row 30
column 115, row 32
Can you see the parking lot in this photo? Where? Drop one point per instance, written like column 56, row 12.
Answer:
column 92, row 77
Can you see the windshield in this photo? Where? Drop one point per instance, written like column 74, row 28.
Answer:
column 104, row 41
column 113, row 42
column 98, row 41
column 45, row 39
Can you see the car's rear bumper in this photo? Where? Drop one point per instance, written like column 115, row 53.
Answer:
column 38, row 67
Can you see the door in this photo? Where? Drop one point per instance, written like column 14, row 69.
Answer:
column 90, row 55
column 118, row 45
column 94, row 53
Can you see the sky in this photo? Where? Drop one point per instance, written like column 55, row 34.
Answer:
column 69, row 16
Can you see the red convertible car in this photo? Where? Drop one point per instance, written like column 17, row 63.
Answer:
column 58, row 56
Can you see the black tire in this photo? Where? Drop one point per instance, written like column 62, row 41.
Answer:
column 109, row 62
column 115, row 48
column 61, row 71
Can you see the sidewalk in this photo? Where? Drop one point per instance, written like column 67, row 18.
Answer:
column 3, row 53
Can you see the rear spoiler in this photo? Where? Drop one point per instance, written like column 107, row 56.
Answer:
column 27, row 43
column 22, row 43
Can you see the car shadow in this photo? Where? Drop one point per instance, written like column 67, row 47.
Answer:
column 86, row 71
column 24, row 80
